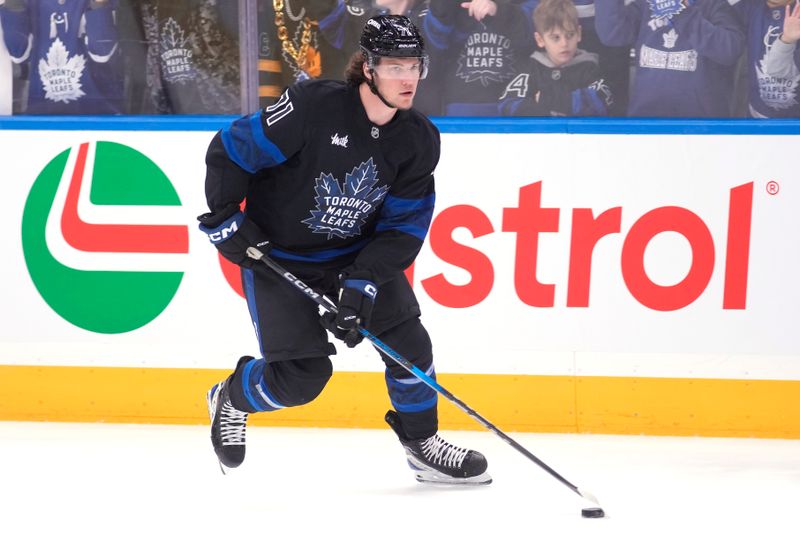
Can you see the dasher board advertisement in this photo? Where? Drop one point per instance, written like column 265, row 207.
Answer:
column 609, row 255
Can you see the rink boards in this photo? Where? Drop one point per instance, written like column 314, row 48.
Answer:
column 578, row 276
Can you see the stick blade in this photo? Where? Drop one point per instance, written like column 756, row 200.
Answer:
column 588, row 496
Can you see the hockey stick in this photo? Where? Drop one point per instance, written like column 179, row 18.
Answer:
column 330, row 307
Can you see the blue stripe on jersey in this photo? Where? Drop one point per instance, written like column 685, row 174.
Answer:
column 411, row 395
column 250, row 295
column 248, row 393
column 255, row 388
column 248, row 147
column 409, row 216
column 320, row 256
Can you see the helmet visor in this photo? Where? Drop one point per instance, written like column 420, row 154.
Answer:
column 397, row 68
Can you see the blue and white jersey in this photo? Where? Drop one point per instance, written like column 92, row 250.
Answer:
column 72, row 51
column 769, row 96
column 685, row 55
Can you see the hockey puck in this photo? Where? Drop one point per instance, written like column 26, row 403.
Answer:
column 592, row 512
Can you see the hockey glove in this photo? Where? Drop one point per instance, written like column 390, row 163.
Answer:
column 356, row 299
column 232, row 233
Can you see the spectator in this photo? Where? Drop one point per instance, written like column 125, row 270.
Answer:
column 343, row 21
column 563, row 80
column 72, row 50
column 478, row 46
column 290, row 46
column 614, row 61
column 783, row 58
column 769, row 95
column 686, row 51
column 191, row 57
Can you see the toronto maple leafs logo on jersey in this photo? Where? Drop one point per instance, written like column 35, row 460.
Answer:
column 177, row 62
column 487, row 57
column 342, row 212
column 61, row 74
column 660, row 9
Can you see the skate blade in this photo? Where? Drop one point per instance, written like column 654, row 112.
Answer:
column 434, row 478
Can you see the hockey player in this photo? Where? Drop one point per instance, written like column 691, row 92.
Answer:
column 338, row 183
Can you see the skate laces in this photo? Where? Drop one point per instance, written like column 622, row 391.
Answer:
column 439, row 451
column 233, row 424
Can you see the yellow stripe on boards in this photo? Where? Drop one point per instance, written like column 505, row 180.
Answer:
column 564, row 404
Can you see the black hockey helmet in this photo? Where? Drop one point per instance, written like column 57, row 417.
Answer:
column 392, row 36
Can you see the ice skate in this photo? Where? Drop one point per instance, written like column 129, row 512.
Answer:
column 434, row 460
column 228, row 426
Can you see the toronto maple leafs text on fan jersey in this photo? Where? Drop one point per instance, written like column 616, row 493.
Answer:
column 770, row 95
column 326, row 184
column 474, row 61
column 73, row 56
column 192, row 59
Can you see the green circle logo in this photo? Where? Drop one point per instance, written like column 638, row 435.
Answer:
column 92, row 242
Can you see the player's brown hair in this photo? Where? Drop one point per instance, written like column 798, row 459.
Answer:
column 354, row 73
column 551, row 14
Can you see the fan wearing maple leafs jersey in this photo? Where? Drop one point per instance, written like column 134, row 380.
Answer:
column 769, row 96
column 686, row 53
column 337, row 177
column 72, row 49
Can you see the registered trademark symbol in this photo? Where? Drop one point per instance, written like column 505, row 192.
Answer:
column 773, row 187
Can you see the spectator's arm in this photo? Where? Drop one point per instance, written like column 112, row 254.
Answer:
column 782, row 60
column 616, row 23
column 333, row 24
column 592, row 100
column 16, row 30
column 719, row 36
column 101, row 31
column 438, row 24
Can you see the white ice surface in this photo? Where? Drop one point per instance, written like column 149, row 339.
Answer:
column 114, row 478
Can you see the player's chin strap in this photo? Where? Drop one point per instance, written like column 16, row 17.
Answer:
column 374, row 89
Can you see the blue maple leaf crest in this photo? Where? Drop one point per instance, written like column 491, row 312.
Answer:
column 342, row 212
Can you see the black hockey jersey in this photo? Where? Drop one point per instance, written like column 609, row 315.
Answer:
column 326, row 184
column 542, row 89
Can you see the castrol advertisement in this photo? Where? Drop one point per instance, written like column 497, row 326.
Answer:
column 609, row 255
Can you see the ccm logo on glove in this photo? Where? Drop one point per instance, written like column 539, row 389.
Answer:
column 226, row 231
column 233, row 233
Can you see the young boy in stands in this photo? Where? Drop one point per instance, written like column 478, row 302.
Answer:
column 562, row 80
